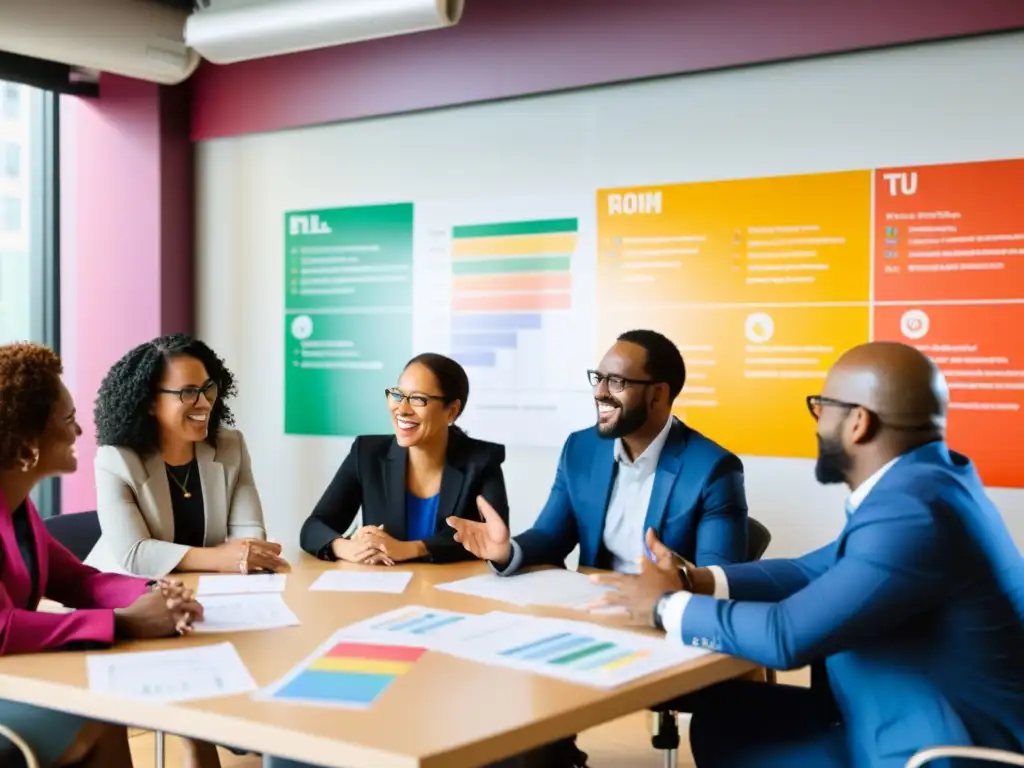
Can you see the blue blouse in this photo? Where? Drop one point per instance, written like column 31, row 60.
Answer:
column 420, row 516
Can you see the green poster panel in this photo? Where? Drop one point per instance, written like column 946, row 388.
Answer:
column 348, row 316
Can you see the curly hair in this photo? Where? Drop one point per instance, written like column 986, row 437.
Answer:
column 123, row 406
column 29, row 388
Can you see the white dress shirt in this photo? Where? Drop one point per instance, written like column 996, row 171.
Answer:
column 627, row 507
column 672, row 618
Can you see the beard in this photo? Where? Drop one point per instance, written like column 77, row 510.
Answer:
column 629, row 420
column 833, row 463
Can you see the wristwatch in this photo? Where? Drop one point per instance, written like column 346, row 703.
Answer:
column 659, row 610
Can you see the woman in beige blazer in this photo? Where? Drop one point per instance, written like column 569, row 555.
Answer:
column 174, row 486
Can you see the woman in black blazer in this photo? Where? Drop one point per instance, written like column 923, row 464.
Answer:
column 408, row 484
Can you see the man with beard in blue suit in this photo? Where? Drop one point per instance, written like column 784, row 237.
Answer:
column 912, row 620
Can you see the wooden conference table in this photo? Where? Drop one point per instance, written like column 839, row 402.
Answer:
column 445, row 712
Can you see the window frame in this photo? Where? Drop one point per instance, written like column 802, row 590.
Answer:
column 43, row 163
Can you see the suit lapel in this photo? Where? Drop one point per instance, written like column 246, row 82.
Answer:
column 602, row 475
column 156, row 499
column 451, row 490
column 215, row 494
column 394, row 492
column 669, row 464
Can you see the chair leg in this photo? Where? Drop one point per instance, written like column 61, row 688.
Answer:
column 665, row 736
column 158, row 740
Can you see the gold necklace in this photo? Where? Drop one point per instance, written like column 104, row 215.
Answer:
column 183, row 485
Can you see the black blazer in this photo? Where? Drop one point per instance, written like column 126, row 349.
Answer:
column 373, row 477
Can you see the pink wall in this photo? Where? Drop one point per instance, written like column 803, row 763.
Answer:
column 504, row 48
column 126, row 239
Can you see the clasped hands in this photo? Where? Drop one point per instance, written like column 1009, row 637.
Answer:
column 371, row 545
column 639, row 594
column 167, row 608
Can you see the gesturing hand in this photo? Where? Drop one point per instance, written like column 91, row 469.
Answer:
column 489, row 539
column 160, row 612
column 639, row 594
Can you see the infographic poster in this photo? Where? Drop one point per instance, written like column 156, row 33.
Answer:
column 949, row 279
column 348, row 316
column 762, row 283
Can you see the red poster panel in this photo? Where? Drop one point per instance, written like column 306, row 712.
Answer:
column 980, row 349
column 949, row 232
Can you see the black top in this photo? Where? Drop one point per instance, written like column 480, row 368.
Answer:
column 27, row 545
column 372, row 477
column 189, row 513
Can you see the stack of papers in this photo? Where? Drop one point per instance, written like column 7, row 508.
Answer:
column 556, row 588
column 245, row 613
column 391, row 582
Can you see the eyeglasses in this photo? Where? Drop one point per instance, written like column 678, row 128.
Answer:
column 615, row 383
column 418, row 400
column 816, row 402
column 190, row 395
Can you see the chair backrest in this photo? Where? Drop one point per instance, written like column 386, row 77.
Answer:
column 758, row 539
column 78, row 531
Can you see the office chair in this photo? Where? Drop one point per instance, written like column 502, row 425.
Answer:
column 19, row 754
column 77, row 531
column 967, row 753
column 665, row 731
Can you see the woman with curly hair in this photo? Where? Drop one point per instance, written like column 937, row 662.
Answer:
column 38, row 431
column 174, row 485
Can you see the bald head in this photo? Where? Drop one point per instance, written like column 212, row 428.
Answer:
column 898, row 383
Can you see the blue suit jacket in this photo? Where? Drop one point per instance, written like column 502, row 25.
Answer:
column 917, row 610
column 698, row 506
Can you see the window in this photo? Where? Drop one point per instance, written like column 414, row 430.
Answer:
column 10, row 156
column 29, row 287
column 10, row 100
column 10, row 215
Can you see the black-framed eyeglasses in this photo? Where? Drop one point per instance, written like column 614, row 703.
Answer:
column 816, row 402
column 190, row 395
column 615, row 383
column 416, row 400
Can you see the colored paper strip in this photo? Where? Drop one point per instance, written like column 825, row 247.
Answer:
column 363, row 666
column 378, row 652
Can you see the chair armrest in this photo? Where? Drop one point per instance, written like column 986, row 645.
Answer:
column 970, row 753
column 20, row 746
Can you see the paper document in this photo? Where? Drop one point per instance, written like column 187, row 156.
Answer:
column 555, row 587
column 168, row 676
column 574, row 651
column 393, row 582
column 241, row 613
column 241, row 585
column 414, row 624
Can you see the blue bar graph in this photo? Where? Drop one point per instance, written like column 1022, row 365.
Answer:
column 544, row 642
column 479, row 358
column 475, row 322
column 484, row 340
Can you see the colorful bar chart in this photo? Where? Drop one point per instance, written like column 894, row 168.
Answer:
column 418, row 622
column 505, row 277
column 579, row 653
column 346, row 674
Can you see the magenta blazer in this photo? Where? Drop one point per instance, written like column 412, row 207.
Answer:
column 62, row 578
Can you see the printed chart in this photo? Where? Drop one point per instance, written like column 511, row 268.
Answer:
column 761, row 283
column 348, row 316
column 345, row 674
column 575, row 651
column 517, row 298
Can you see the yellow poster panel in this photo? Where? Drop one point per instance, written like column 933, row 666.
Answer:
column 780, row 239
column 750, row 369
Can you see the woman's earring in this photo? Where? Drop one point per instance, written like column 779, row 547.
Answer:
column 27, row 464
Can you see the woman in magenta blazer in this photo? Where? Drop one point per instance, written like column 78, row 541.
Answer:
column 38, row 430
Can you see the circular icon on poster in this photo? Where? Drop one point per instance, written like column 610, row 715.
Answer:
column 914, row 324
column 759, row 327
column 302, row 327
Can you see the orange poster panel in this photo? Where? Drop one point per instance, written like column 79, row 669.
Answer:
column 949, row 232
column 781, row 239
column 750, row 369
column 980, row 349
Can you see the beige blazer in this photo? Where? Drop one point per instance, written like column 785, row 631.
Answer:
column 133, row 501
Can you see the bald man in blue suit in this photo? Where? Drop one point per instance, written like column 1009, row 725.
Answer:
column 912, row 620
